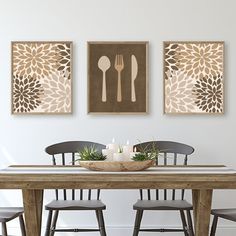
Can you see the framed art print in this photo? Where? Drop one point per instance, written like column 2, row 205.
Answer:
column 194, row 77
column 117, row 77
column 41, row 77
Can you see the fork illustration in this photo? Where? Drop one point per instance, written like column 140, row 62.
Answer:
column 119, row 66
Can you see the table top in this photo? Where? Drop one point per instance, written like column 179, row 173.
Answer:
column 159, row 170
column 49, row 177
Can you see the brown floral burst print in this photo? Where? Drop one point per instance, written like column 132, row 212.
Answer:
column 57, row 93
column 27, row 93
column 209, row 94
column 193, row 77
column 34, row 59
column 200, row 59
column 47, row 64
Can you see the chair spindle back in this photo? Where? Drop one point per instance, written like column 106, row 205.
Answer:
column 65, row 154
column 171, row 154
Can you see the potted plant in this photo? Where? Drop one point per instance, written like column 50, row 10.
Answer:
column 90, row 154
column 147, row 153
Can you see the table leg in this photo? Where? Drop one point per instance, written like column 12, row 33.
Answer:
column 33, row 202
column 202, row 210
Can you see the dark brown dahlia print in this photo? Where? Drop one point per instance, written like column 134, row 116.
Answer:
column 27, row 94
column 41, row 77
column 209, row 94
column 193, row 77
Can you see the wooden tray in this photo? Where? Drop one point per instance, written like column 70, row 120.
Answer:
column 117, row 165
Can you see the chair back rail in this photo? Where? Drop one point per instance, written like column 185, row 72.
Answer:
column 65, row 154
column 171, row 153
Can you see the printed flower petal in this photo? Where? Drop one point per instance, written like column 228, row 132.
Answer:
column 57, row 93
column 27, row 94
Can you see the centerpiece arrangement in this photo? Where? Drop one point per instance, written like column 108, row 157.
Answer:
column 118, row 158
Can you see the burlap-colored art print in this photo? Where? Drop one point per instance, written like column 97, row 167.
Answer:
column 193, row 77
column 41, row 77
column 117, row 77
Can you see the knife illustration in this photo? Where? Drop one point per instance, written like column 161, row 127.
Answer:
column 134, row 72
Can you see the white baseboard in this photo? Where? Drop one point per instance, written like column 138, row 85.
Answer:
column 127, row 231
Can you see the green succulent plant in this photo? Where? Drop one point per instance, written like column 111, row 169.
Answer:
column 140, row 157
column 90, row 154
column 149, row 152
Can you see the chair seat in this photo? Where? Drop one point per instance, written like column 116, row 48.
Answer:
column 9, row 213
column 162, row 205
column 229, row 214
column 75, row 205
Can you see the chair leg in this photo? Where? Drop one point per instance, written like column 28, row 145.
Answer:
column 4, row 229
column 49, row 221
column 101, row 223
column 138, row 218
column 184, row 222
column 22, row 225
column 214, row 225
column 54, row 222
column 190, row 223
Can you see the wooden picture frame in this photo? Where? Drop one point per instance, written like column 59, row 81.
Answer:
column 41, row 77
column 193, row 74
column 118, row 77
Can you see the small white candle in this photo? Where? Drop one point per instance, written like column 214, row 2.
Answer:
column 118, row 156
column 108, row 153
column 127, row 149
column 113, row 145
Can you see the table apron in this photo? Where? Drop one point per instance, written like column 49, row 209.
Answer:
column 118, row 185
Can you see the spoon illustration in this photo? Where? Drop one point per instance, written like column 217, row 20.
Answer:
column 104, row 64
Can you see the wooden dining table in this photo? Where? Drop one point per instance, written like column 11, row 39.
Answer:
column 33, row 180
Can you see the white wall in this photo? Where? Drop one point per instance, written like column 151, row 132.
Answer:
column 23, row 138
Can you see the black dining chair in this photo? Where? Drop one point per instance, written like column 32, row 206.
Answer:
column 10, row 213
column 227, row 214
column 172, row 153
column 73, row 200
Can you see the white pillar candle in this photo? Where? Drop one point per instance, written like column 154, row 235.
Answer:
column 118, row 156
column 113, row 146
column 127, row 149
column 108, row 153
